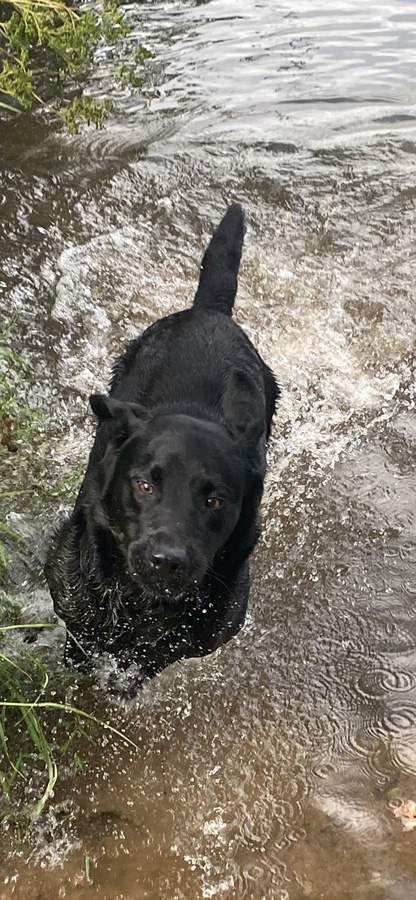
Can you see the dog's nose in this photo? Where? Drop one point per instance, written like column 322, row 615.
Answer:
column 168, row 559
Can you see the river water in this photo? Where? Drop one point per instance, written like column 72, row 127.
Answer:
column 270, row 770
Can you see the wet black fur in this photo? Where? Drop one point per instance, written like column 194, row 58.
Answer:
column 155, row 577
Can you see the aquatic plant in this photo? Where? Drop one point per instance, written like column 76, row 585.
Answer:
column 46, row 45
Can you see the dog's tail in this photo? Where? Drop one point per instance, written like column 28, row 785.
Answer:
column 219, row 268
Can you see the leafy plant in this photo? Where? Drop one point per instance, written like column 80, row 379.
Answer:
column 127, row 71
column 46, row 42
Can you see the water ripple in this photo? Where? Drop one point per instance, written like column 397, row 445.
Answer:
column 378, row 681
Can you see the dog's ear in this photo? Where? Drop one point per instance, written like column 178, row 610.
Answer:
column 126, row 414
column 244, row 407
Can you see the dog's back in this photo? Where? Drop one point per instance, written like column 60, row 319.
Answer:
column 185, row 358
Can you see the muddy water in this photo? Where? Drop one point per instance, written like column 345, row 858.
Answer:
column 271, row 769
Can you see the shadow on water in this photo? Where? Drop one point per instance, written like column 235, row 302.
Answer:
column 271, row 769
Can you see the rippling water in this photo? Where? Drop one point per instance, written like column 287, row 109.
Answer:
column 271, row 769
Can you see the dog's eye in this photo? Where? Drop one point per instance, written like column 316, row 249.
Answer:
column 214, row 502
column 145, row 487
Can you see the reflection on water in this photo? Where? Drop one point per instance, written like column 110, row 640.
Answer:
column 271, row 769
column 278, row 71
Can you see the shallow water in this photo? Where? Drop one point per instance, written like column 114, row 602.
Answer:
column 271, row 769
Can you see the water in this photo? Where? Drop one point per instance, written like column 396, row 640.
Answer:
column 271, row 769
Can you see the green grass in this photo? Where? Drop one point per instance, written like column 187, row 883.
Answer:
column 18, row 423
column 19, row 426
column 27, row 718
column 22, row 735
column 38, row 733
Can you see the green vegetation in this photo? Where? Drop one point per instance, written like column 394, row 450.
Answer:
column 47, row 49
column 22, row 457
column 13, row 414
column 38, row 733
column 25, row 733
column 22, row 735
column 18, row 424
column 5, row 530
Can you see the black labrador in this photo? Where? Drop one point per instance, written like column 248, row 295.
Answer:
column 152, row 565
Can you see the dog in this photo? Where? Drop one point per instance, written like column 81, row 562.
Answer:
column 153, row 564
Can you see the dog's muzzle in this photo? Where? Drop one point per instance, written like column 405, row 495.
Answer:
column 165, row 568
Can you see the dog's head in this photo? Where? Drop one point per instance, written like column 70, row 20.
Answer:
column 172, row 485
